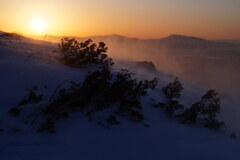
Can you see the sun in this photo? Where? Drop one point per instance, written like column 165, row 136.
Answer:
column 38, row 25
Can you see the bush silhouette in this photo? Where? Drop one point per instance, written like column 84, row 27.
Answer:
column 190, row 115
column 30, row 98
column 171, row 106
column 173, row 89
column 210, row 107
column 101, row 90
column 205, row 110
column 77, row 54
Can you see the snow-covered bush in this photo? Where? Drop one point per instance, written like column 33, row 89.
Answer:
column 101, row 90
column 204, row 110
column 190, row 115
column 77, row 54
column 30, row 98
column 173, row 89
column 171, row 106
column 210, row 107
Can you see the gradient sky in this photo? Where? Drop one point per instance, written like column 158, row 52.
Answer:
column 211, row 19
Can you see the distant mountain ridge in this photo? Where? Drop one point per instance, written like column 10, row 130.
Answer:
column 119, row 43
column 183, row 37
column 173, row 38
column 173, row 41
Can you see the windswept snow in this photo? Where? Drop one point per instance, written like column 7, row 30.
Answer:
column 26, row 64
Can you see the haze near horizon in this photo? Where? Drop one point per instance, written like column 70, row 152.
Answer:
column 214, row 19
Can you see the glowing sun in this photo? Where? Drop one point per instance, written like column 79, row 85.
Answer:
column 38, row 25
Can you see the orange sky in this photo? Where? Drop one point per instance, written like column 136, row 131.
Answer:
column 211, row 19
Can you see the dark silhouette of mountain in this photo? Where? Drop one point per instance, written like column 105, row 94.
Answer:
column 173, row 41
column 182, row 37
column 179, row 41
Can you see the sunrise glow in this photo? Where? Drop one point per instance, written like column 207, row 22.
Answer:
column 135, row 18
column 38, row 25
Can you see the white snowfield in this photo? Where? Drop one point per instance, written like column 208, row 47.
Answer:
column 24, row 64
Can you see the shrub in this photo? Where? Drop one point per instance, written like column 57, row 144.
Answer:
column 173, row 89
column 210, row 107
column 210, row 104
column 77, row 54
column 30, row 98
column 190, row 115
column 101, row 90
column 171, row 106
column 205, row 110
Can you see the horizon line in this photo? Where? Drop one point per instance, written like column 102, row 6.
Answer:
column 115, row 34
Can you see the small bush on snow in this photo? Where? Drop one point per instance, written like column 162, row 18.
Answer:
column 30, row 98
column 77, row 54
column 205, row 110
column 173, row 89
column 101, row 90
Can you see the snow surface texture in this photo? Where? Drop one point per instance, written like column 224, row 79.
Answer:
column 23, row 65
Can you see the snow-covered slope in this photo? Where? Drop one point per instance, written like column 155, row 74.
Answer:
column 26, row 64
